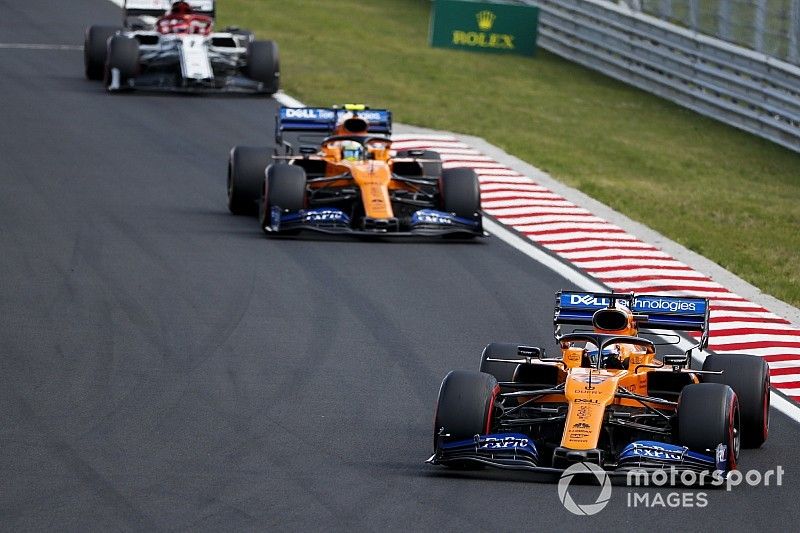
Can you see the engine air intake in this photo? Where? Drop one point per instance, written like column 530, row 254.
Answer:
column 610, row 320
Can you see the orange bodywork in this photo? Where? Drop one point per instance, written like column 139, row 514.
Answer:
column 373, row 176
column 589, row 391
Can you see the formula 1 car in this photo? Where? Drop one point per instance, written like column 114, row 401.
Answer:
column 334, row 172
column 606, row 400
column 176, row 48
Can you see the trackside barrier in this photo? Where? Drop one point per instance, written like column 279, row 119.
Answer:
column 748, row 90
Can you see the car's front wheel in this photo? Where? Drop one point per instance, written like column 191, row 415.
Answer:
column 95, row 50
column 285, row 189
column 123, row 56
column 460, row 192
column 465, row 405
column 708, row 415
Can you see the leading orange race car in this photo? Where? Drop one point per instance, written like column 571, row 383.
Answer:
column 606, row 399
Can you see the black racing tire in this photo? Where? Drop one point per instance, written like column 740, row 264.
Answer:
column 263, row 64
column 708, row 415
column 284, row 187
column 499, row 350
column 465, row 405
column 429, row 169
column 95, row 49
column 748, row 376
column 247, row 166
column 460, row 192
column 123, row 54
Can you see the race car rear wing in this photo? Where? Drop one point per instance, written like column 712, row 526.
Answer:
column 319, row 122
column 157, row 8
column 674, row 313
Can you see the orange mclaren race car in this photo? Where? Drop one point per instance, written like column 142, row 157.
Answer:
column 606, row 399
column 335, row 172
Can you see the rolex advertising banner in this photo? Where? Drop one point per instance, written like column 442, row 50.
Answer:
column 484, row 26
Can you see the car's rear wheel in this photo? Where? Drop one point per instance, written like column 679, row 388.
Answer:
column 95, row 50
column 748, row 376
column 708, row 415
column 432, row 168
column 499, row 350
column 465, row 405
column 123, row 55
column 247, row 167
column 263, row 64
column 284, row 188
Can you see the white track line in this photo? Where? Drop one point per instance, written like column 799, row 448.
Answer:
column 577, row 277
column 570, row 273
column 26, row 46
column 589, row 284
column 286, row 100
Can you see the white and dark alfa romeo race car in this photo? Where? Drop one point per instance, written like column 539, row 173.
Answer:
column 173, row 46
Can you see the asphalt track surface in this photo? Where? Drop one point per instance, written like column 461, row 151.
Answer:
column 164, row 366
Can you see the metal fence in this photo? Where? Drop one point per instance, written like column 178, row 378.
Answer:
column 771, row 27
column 741, row 87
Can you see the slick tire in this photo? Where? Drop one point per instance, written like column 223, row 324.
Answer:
column 748, row 376
column 263, row 64
column 465, row 405
column 95, row 50
column 284, row 187
column 247, row 167
column 499, row 350
column 429, row 169
column 123, row 54
column 460, row 193
column 708, row 415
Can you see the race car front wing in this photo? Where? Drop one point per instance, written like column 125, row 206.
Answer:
column 514, row 451
column 424, row 222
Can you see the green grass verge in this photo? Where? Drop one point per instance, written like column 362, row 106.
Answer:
column 725, row 194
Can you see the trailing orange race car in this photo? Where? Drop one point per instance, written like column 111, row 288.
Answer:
column 334, row 171
column 606, row 399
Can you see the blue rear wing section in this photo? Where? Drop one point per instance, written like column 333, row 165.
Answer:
column 675, row 313
column 324, row 120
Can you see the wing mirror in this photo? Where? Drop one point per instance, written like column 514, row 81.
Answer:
column 308, row 150
column 531, row 352
column 676, row 361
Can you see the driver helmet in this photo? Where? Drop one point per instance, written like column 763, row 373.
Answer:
column 609, row 358
column 352, row 151
column 612, row 360
column 180, row 8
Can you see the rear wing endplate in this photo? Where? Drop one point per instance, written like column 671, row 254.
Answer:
column 674, row 313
